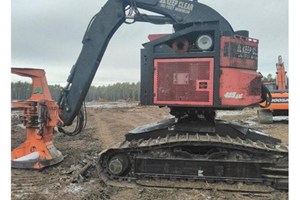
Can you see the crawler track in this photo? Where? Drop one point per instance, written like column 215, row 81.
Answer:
column 197, row 157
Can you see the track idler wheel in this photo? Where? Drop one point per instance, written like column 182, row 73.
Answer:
column 118, row 165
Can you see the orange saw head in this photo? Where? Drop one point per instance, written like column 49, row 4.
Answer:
column 40, row 116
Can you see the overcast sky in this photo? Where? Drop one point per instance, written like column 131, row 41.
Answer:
column 47, row 34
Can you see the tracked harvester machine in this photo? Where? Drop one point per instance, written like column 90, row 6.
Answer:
column 202, row 67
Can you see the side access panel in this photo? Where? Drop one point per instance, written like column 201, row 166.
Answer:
column 239, row 87
column 239, row 52
column 183, row 81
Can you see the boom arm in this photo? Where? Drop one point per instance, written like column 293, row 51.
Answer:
column 281, row 79
column 180, row 13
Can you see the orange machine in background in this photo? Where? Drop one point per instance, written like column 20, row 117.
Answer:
column 280, row 96
column 40, row 116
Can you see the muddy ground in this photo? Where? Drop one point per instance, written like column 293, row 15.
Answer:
column 107, row 124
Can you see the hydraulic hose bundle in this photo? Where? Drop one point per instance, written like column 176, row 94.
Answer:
column 81, row 120
column 265, row 96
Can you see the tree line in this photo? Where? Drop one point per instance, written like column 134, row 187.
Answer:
column 118, row 91
column 268, row 78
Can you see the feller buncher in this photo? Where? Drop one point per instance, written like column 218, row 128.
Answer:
column 201, row 67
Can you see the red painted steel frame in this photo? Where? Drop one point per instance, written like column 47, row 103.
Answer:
column 239, row 87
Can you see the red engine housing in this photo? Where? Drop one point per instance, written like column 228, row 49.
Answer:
column 227, row 81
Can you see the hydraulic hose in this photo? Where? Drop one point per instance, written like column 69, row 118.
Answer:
column 81, row 120
column 265, row 96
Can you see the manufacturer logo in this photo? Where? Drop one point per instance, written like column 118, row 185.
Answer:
column 233, row 95
column 200, row 172
column 280, row 100
column 179, row 6
column 38, row 90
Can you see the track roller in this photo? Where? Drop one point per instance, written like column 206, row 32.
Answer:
column 118, row 165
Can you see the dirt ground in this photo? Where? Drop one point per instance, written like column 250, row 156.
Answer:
column 107, row 124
